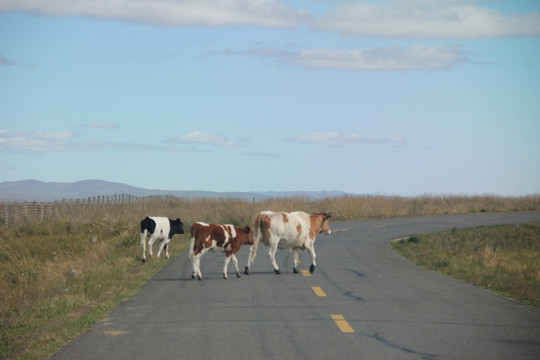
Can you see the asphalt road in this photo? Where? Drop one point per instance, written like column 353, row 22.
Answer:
column 390, row 308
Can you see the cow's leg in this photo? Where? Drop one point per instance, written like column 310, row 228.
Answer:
column 251, row 249
column 313, row 262
column 227, row 259
column 143, row 244
column 194, row 264
column 272, row 255
column 163, row 245
column 153, row 238
column 198, row 266
column 295, row 260
column 235, row 262
column 192, row 256
column 197, row 258
column 160, row 248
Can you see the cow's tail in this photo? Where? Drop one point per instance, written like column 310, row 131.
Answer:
column 253, row 248
column 262, row 226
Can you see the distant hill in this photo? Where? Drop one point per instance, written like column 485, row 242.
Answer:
column 34, row 190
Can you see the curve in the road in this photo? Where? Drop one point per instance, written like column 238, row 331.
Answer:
column 376, row 306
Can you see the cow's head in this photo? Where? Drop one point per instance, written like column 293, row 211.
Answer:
column 177, row 226
column 324, row 227
column 247, row 235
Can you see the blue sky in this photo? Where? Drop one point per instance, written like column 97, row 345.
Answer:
column 403, row 97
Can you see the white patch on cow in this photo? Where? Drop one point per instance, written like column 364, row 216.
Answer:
column 233, row 230
column 203, row 224
column 226, row 243
column 163, row 225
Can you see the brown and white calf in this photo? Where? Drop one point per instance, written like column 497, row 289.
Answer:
column 227, row 238
column 295, row 230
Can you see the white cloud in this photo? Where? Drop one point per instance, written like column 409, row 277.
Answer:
column 417, row 57
column 99, row 125
column 57, row 141
column 35, row 141
column 395, row 140
column 443, row 19
column 338, row 139
column 264, row 13
column 200, row 137
column 427, row 20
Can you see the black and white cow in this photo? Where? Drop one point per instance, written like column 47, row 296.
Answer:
column 161, row 228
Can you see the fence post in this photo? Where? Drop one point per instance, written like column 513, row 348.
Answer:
column 11, row 213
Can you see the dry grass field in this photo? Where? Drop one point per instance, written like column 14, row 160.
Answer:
column 61, row 274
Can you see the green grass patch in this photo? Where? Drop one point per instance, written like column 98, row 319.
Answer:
column 56, row 281
column 504, row 259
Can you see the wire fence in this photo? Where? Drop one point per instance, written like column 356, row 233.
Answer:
column 11, row 213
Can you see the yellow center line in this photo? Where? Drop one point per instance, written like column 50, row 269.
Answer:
column 340, row 321
column 305, row 273
column 342, row 324
column 318, row 291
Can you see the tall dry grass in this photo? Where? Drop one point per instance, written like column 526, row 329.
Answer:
column 345, row 208
column 61, row 274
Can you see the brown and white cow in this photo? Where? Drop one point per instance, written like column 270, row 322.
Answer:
column 295, row 230
column 227, row 238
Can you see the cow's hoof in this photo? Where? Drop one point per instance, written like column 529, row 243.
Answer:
column 193, row 276
column 143, row 261
column 246, row 271
column 200, row 278
column 225, row 277
column 237, row 274
column 277, row 271
column 312, row 268
column 295, row 270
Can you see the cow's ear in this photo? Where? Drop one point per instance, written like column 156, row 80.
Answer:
column 247, row 229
